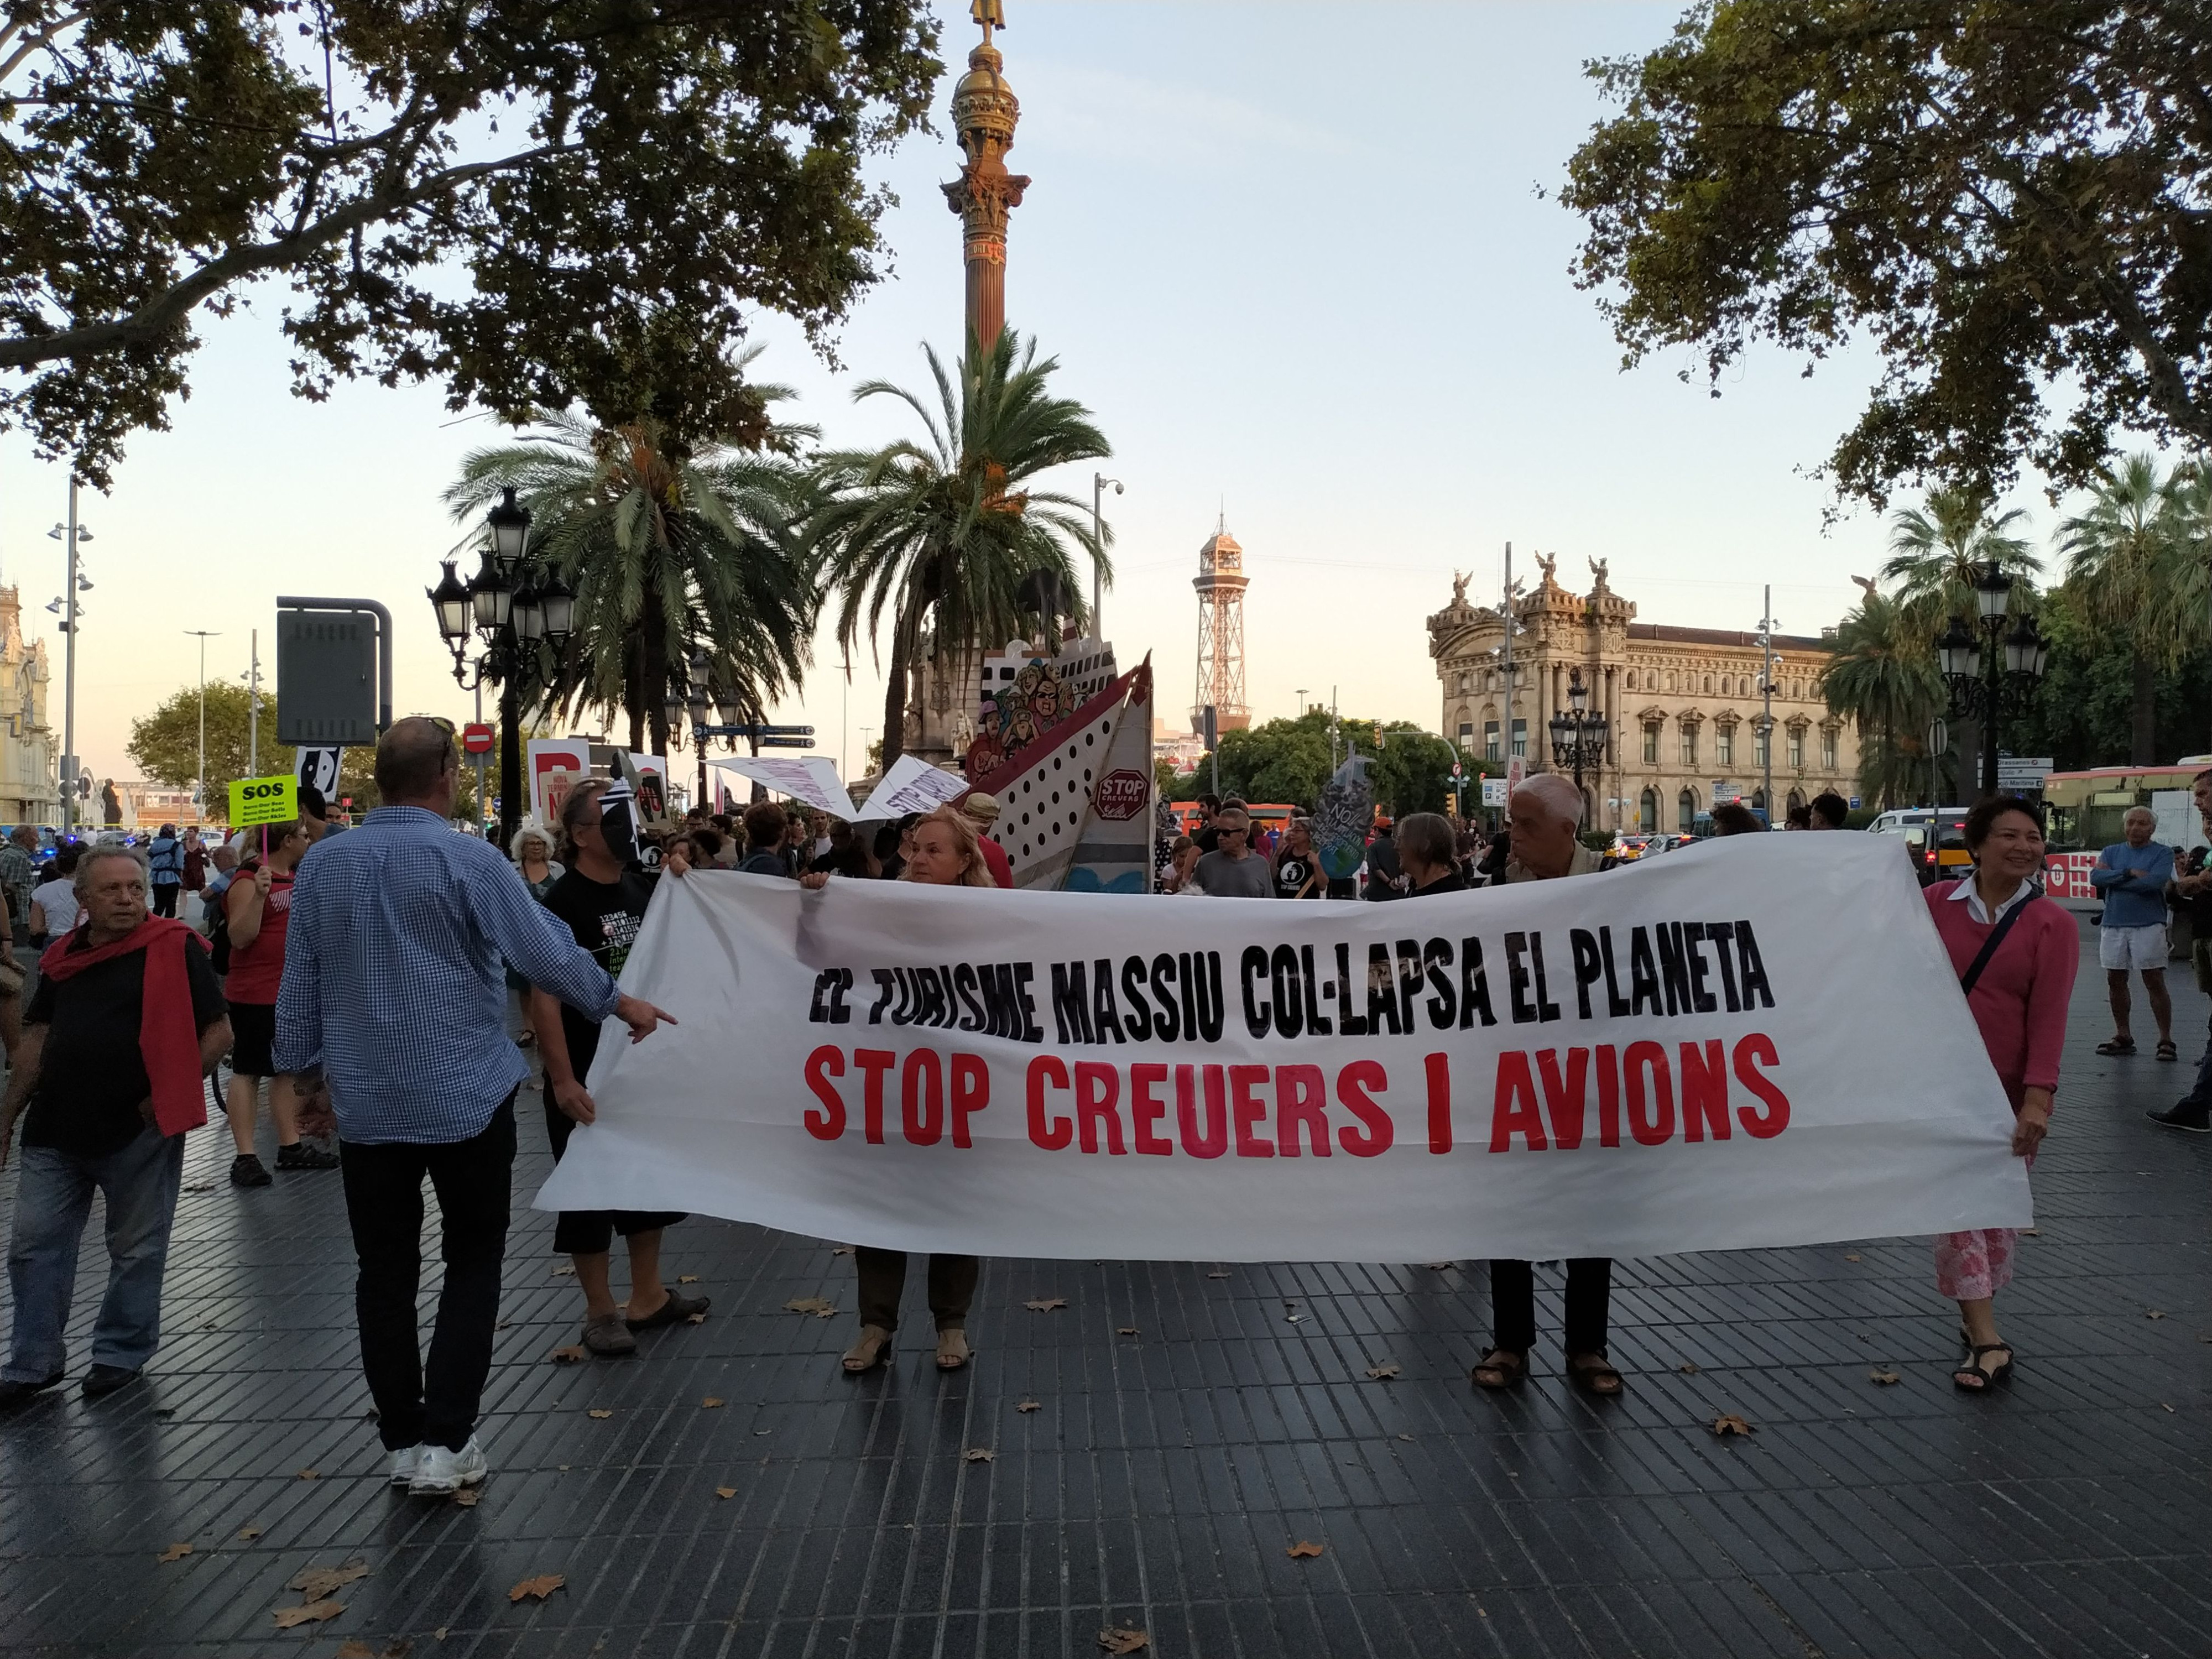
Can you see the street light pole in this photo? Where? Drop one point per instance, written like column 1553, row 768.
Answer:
column 1766, row 693
column 199, row 778
column 253, row 708
column 69, row 678
column 1098, row 482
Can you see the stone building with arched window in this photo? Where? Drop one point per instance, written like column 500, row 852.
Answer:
column 1683, row 704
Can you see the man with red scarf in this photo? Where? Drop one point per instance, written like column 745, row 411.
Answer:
column 127, row 1024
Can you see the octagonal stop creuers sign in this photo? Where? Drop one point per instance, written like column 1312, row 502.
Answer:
column 326, row 677
column 1121, row 795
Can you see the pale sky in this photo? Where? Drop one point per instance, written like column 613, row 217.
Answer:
column 1293, row 257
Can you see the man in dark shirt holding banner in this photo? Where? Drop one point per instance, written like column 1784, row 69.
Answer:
column 127, row 1024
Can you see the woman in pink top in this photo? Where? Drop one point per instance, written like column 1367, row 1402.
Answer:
column 2019, row 1001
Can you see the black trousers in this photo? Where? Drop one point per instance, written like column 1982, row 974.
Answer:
column 165, row 898
column 384, row 1200
column 1513, row 1305
column 883, row 1281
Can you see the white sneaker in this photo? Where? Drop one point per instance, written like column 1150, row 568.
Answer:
column 438, row 1471
column 403, row 1464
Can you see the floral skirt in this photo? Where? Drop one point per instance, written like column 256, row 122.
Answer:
column 1971, row 1266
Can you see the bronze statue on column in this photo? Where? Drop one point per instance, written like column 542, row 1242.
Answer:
column 984, row 113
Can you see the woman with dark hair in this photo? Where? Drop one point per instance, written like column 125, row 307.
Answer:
column 601, row 901
column 2015, row 953
column 945, row 853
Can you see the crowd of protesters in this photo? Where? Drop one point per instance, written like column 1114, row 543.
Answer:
column 307, row 937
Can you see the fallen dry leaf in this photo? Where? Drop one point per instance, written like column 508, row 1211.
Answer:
column 598, row 1411
column 312, row 1614
column 1045, row 1303
column 810, row 1304
column 562, row 1467
column 311, row 1474
column 1217, row 1275
column 1302, row 1549
column 568, row 1271
column 503, row 1324
column 1689, row 1367
column 469, row 1496
column 174, row 1553
column 573, row 1356
column 1884, row 1377
column 687, row 1278
column 1029, row 1406
column 1851, row 1258
column 1124, row 1641
column 2164, row 1404
column 1381, row 1373
column 1294, row 1319
column 979, row 1453
column 709, row 1403
column 357, row 1650
column 2030, row 1232
column 2153, row 1313
column 725, row 1492
column 1438, row 1267
column 204, row 1186
column 1731, row 1424
column 1125, row 1330
column 314, row 1583
column 399, row 1647
column 540, row 1587
column 1405, row 1436
column 842, row 1249
column 439, row 1632
column 248, row 1534
column 695, row 1319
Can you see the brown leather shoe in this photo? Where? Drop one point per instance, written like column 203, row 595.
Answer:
column 608, row 1337
column 953, row 1351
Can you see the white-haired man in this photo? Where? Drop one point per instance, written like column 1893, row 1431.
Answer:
column 1545, row 817
column 2131, row 875
column 119, row 1038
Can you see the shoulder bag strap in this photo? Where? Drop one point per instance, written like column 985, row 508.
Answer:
column 1973, row 973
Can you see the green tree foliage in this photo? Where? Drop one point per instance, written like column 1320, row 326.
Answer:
column 164, row 745
column 671, row 551
column 2135, row 565
column 1287, row 762
column 1883, row 677
column 2007, row 200
column 2084, row 711
column 567, row 203
column 937, row 540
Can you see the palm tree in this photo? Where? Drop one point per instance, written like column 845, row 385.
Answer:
column 2130, row 564
column 1936, row 552
column 939, row 536
column 671, row 551
column 1883, row 677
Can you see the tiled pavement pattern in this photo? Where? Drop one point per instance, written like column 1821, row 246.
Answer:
column 1165, row 1474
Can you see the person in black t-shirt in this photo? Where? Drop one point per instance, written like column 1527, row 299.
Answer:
column 1297, row 867
column 602, row 903
column 120, row 1037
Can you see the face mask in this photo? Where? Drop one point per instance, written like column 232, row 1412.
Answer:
column 618, row 821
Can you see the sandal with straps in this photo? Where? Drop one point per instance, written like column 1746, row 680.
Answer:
column 2117, row 1045
column 2166, row 1051
column 1504, row 1369
column 952, row 1349
column 868, row 1352
column 1593, row 1374
column 1983, row 1381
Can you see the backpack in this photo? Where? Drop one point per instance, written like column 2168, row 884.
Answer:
column 216, row 920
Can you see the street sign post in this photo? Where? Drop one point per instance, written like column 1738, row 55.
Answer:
column 476, row 738
column 788, row 743
column 2020, row 774
column 333, row 671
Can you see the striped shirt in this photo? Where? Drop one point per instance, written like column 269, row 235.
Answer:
column 394, row 981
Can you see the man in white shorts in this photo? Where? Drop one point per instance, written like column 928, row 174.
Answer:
column 2132, row 875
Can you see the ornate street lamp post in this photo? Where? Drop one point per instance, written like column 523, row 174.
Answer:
column 522, row 614
column 1991, row 673
column 1579, row 736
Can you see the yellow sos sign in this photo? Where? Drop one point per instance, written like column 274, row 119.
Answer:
column 263, row 801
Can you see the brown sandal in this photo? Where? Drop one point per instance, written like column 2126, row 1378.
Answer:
column 1593, row 1374
column 868, row 1352
column 1504, row 1369
column 951, row 1348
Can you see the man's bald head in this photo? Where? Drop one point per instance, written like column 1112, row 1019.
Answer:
column 415, row 765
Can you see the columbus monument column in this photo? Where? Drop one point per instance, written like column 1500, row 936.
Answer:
column 984, row 111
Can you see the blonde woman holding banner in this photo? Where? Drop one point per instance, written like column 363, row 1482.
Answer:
column 946, row 853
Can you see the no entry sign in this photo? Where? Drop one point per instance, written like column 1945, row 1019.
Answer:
column 476, row 738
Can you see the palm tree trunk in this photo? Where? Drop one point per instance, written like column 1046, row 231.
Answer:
column 634, row 691
column 653, row 659
column 2143, row 736
column 895, row 697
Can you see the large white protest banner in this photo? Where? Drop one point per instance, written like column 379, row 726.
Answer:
column 1762, row 1045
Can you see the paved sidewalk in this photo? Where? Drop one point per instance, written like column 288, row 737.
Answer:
column 1165, row 1473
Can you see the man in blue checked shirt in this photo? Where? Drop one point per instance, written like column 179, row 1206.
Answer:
column 394, row 985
